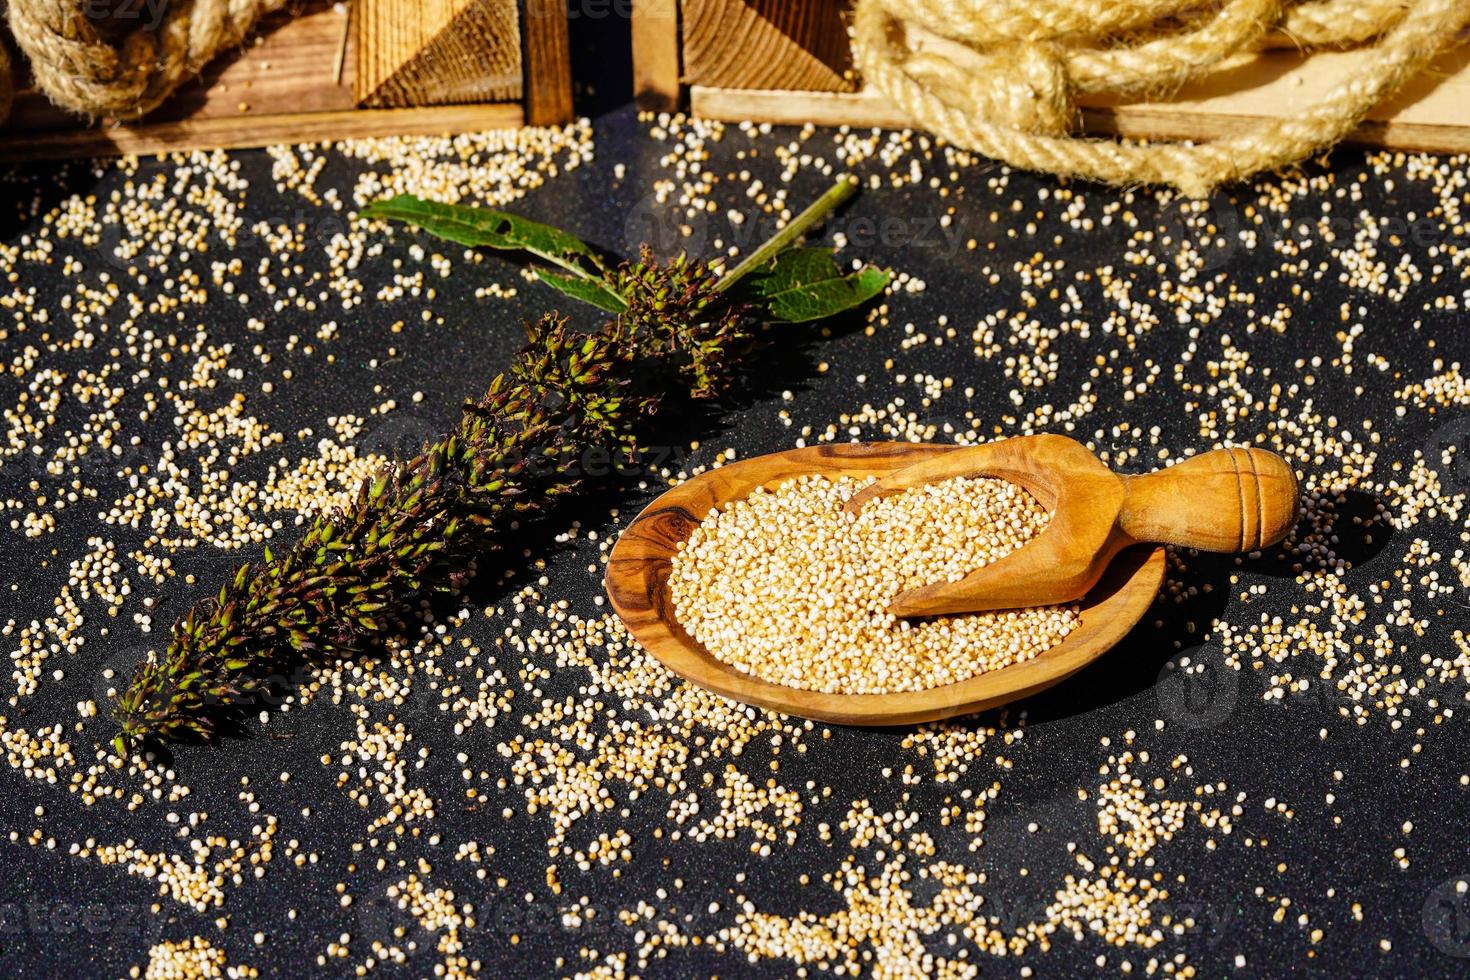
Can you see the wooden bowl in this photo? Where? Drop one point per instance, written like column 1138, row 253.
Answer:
column 638, row 585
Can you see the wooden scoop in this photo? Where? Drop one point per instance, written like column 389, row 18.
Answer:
column 638, row 586
column 1226, row 500
column 1118, row 596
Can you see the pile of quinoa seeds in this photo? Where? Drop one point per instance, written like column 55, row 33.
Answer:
column 788, row 586
column 1267, row 777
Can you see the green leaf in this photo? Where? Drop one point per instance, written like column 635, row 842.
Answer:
column 587, row 290
column 477, row 227
column 805, row 284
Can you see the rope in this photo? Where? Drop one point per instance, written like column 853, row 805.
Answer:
column 1008, row 92
column 1339, row 23
column 1001, row 77
column 108, row 66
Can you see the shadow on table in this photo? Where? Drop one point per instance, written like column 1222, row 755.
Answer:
column 1202, row 589
column 31, row 190
column 601, row 41
column 1196, row 593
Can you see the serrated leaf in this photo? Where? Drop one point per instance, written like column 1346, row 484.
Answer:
column 587, row 290
column 476, row 227
column 805, row 284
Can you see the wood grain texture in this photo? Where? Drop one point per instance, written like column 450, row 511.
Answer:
column 1226, row 500
column 657, row 82
column 437, row 52
column 305, row 127
column 1239, row 499
column 637, row 585
column 766, row 44
column 548, row 61
column 1061, row 563
column 1431, row 113
column 280, row 87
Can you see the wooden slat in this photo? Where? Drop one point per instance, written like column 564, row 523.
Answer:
column 861, row 109
column 227, row 133
column 437, row 52
column 656, row 80
column 1432, row 113
column 766, row 44
column 548, row 60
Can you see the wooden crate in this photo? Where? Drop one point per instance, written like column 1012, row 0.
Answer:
column 788, row 61
column 325, row 71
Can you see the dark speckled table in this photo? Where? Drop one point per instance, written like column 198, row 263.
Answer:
column 65, row 916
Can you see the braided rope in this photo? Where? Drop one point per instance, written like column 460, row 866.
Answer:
column 79, row 66
column 1171, row 60
column 1337, row 23
column 991, row 21
column 1014, row 99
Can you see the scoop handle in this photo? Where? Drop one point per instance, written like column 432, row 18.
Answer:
column 1225, row 500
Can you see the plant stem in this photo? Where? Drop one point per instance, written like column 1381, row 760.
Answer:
column 845, row 188
column 416, row 529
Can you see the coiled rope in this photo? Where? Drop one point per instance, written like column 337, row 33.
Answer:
column 1001, row 77
column 118, row 66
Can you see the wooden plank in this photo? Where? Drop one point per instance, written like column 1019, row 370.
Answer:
column 548, row 61
column 767, row 44
column 1431, row 113
column 437, row 52
column 860, row 109
column 280, row 87
column 227, row 133
column 656, row 78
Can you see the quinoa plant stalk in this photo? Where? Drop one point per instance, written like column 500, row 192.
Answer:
column 417, row 529
column 836, row 195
